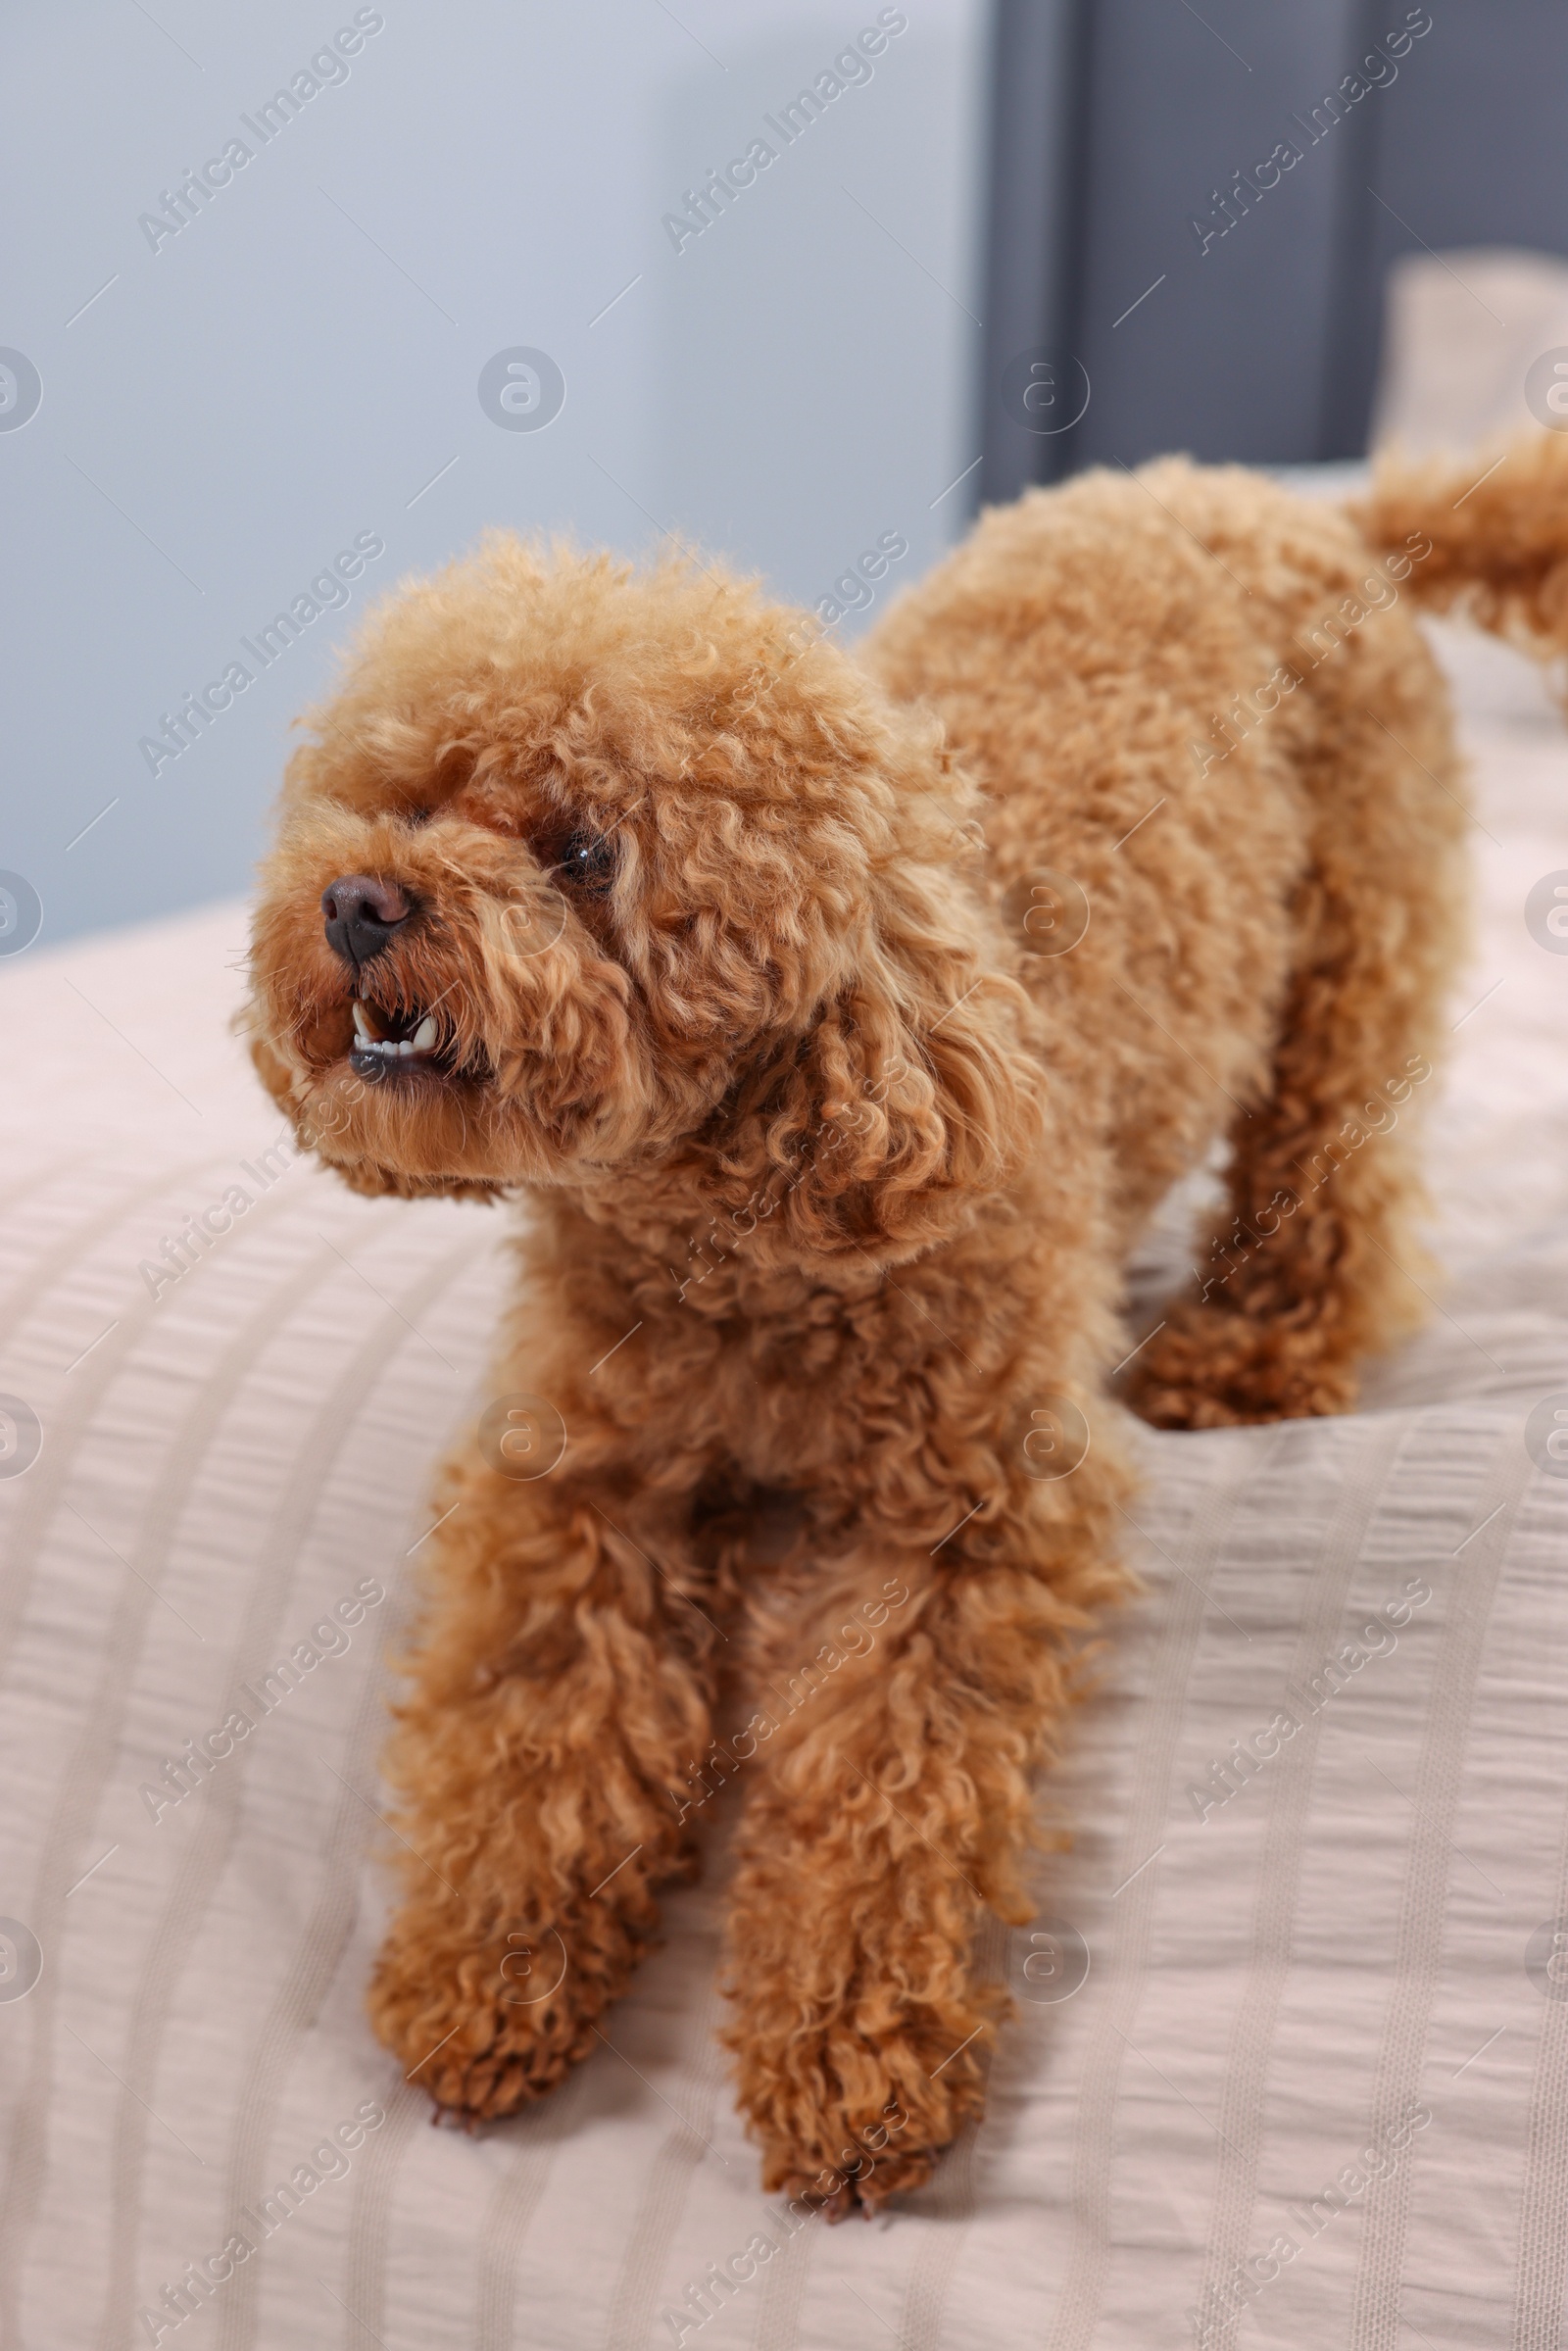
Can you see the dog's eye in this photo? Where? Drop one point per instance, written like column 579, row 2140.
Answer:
column 417, row 816
column 589, row 862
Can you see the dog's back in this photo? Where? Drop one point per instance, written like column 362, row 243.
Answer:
column 1213, row 742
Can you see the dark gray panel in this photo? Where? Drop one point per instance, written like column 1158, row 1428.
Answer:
column 1226, row 356
column 1477, row 152
column 1257, row 341
column 1038, row 63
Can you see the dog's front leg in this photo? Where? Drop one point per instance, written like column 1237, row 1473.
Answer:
column 558, row 1685
column 892, row 1807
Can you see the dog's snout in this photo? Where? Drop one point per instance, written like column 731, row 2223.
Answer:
column 361, row 916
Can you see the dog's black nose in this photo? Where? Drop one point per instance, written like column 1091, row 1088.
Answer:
column 361, row 916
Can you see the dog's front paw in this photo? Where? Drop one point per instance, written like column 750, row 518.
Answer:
column 485, row 2022
column 847, row 2119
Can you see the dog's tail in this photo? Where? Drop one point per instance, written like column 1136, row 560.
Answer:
column 1485, row 540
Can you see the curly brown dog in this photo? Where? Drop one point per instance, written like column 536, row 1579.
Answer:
column 843, row 1021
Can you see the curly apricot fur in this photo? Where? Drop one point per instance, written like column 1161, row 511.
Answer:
column 831, row 1177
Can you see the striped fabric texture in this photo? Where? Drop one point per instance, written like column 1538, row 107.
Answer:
column 1289, row 2063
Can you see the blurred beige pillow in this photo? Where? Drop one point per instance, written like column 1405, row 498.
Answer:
column 1461, row 332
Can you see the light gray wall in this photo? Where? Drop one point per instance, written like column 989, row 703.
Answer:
column 295, row 365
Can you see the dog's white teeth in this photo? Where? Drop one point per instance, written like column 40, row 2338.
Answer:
column 393, row 1049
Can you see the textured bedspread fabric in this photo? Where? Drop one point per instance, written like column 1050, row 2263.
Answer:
column 1290, row 2061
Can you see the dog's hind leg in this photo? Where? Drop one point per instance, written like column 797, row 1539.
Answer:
column 1315, row 1264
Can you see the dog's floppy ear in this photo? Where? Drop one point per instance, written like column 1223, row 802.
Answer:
column 910, row 1098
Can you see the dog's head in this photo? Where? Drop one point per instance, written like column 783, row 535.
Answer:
column 623, row 881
